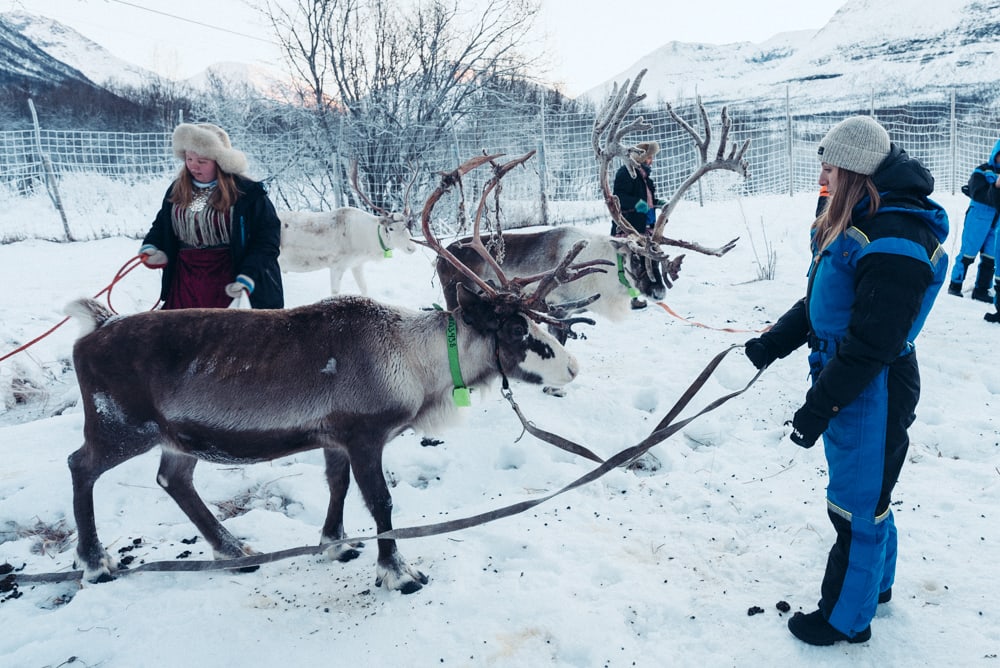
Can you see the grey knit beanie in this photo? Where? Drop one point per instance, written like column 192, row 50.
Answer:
column 209, row 141
column 857, row 144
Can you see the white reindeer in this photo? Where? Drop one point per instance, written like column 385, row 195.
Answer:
column 345, row 238
column 342, row 239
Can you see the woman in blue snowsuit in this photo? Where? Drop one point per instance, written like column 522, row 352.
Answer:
column 979, row 234
column 877, row 266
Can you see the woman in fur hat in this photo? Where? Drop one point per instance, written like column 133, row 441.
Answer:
column 877, row 266
column 216, row 235
column 637, row 195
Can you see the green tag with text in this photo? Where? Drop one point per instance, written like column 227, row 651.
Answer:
column 462, row 397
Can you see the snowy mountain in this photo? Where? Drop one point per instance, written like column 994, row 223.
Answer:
column 70, row 47
column 917, row 47
column 43, row 40
column 23, row 59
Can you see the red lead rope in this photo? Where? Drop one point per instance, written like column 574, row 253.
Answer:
column 131, row 264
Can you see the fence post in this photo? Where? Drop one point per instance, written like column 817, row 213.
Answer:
column 50, row 177
column 338, row 186
column 788, row 134
column 954, row 144
column 542, row 181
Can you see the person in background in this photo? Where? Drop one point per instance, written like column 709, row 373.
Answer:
column 637, row 196
column 877, row 267
column 824, row 194
column 216, row 235
column 979, row 234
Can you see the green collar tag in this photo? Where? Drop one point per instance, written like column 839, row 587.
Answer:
column 632, row 292
column 460, row 394
column 386, row 251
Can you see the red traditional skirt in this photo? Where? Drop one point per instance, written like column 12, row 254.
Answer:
column 200, row 279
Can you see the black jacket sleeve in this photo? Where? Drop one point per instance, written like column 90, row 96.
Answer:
column 888, row 293
column 788, row 333
column 982, row 190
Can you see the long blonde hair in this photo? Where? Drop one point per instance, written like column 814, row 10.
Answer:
column 836, row 217
column 225, row 194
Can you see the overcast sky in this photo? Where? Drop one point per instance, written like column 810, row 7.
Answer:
column 589, row 41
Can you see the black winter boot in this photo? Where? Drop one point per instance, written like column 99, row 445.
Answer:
column 984, row 275
column 955, row 287
column 815, row 630
column 995, row 316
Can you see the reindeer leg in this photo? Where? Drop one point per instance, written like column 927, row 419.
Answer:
column 86, row 465
column 359, row 277
column 335, row 275
column 391, row 570
column 338, row 478
column 176, row 476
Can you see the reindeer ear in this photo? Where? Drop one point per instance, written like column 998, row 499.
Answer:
column 477, row 311
column 467, row 299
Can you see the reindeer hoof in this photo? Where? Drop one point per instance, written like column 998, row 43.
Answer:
column 399, row 576
column 428, row 441
column 554, row 391
column 410, row 587
column 344, row 552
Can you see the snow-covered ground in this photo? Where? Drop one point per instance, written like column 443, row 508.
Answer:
column 636, row 569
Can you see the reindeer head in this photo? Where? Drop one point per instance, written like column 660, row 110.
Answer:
column 508, row 310
column 394, row 232
column 394, row 226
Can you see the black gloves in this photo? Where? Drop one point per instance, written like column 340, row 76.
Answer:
column 759, row 353
column 807, row 427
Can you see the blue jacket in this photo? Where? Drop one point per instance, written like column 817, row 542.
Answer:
column 870, row 291
column 984, row 198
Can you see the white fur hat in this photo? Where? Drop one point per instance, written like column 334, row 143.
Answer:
column 644, row 150
column 209, row 141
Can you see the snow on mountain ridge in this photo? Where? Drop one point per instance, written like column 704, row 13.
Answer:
column 70, row 47
column 868, row 46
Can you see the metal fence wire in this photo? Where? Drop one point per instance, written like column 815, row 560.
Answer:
column 950, row 137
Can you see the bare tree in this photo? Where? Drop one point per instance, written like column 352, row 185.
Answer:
column 401, row 73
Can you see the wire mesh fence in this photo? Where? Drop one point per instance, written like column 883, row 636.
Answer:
column 950, row 137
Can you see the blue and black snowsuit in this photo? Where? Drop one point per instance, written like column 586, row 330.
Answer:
column 979, row 233
column 868, row 295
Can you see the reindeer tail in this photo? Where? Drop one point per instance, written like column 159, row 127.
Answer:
column 90, row 313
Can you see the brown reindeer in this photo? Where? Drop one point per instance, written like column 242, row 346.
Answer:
column 346, row 374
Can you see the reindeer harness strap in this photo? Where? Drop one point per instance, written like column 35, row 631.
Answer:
column 632, row 292
column 386, row 251
column 460, row 394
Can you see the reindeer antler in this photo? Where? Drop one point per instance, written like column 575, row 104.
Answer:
column 357, row 188
column 734, row 162
column 414, row 172
column 510, row 290
column 448, row 181
column 608, row 126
